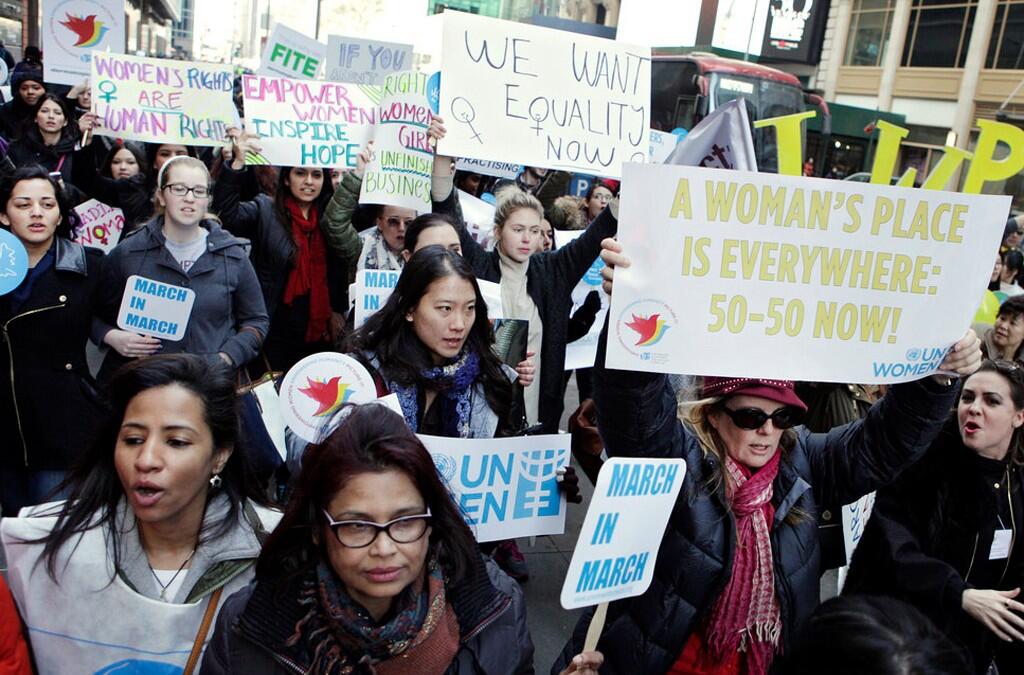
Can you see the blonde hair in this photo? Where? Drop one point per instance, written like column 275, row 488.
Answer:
column 163, row 178
column 509, row 200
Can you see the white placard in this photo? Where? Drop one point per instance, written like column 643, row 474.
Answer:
column 662, row 145
column 543, row 97
column 582, row 353
column 155, row 309
column 352, row 59
column 855, row 520
column 100, row 225
column 484, row 168
column 72, row 30
column 308, row 123
column 317, row 386
column 372, row 290
column 785, row 277
column 289, row 53
column 618, row 543
column 479, row 217
column 505, row 487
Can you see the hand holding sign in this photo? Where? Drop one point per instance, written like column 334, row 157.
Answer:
column 131, row 345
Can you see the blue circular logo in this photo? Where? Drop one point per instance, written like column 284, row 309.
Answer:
column 13, row 262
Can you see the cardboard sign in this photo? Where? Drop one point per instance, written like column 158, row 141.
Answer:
column 307, row 123
column 100, row 226
column 543, row 97
column 72, row 30
column 832, row 281
column 505, row 487
column 399, row 173
column 352, row 59
column 289, row 53
column 662, row 145
column 479, row 217
column 155, row 309
column 582, row 353
column 317, row 386
column 618, row 544
column 484, row 168
column 372, row 290
column 162, row 101
column 13, row 262
column 855, row 520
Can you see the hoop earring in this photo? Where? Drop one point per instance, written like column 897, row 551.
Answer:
column 216, row 481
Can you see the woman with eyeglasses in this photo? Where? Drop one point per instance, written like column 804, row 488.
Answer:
column 947, row 536
column 183, row 245
column 738, row 569
column 289, row 253
column 373, row 570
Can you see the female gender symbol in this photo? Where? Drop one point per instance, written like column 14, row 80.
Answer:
column 108, row 91
column 464, row 112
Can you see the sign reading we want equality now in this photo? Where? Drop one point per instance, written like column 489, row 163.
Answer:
column 542, row 97
column 306, row 122
column 162, row 101
column 760, row 275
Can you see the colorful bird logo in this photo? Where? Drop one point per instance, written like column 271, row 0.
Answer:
column 650, row 329
column 330, row 395
column 89, row 31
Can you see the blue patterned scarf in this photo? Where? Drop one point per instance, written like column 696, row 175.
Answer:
column 453, row 383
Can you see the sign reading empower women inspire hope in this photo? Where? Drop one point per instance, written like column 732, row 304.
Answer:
column 761, row 275
column 162, row 101
column 512, row 92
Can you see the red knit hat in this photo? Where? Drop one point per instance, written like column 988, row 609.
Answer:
column 780, row 391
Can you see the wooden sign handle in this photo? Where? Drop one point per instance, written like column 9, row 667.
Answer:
column 596, row 626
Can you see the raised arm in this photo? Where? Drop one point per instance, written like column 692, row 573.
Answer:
column 573, row 260
column 342, row 237
column 240, row 218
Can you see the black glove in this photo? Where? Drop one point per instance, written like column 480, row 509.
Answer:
column 569, row 483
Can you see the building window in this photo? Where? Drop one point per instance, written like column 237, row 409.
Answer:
column 1006, row 48
column 870, row 25
column 939, row 33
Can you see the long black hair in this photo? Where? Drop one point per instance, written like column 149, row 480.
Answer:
column 96, row 489
column 37, row 172
column 282, row 192
column 138, row 152
column 401, row 353
column 369, row 438
column 70, row 128
column 423, row 222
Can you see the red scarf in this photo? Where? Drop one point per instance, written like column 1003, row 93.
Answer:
column 309, row 269
column 746, row 616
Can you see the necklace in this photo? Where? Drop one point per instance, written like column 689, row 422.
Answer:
column 163, row 586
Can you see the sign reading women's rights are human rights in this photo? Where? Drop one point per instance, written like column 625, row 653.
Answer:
column 760, row 275
column 162, row 101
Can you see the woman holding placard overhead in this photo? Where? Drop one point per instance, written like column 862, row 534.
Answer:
column 48, row 405
column 289, row 253
column 737, row 573
column 185, row 248
column 374, row 570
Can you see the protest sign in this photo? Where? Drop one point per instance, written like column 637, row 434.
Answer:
column 307, row 123
column 372, row 290
column 662, row 145
column 72, row 30
column 505, row 487
column 855, row 519
column 837, row 281
column 317, row 386
column 582, row 353
column 162, row 101
column 289, row 53
column 543, row 97
column 479, row 217
column 352, row 59
column 155, row 309
column 399, row 173
column 13, row 262
column 100, row 225
column 618, row 543
column 722, row 140
column 485, row 168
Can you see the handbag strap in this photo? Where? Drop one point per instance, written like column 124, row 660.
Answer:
column 204, row 628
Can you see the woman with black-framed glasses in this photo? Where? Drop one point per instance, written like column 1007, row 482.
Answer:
column 947, row 536
column 185, row 246
column 372, row 570
column 737, row 574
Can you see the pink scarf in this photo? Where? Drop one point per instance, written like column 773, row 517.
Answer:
column 746, row 617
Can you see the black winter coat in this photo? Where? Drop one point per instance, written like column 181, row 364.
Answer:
column 48, row 403
column 15, row 115
column 30, row 149
column 929, row 538
column 636, row 415
column 254, row 623
column 550, row 280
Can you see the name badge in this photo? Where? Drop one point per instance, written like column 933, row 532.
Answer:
column 1001, row 545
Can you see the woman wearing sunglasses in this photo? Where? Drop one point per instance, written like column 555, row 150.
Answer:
column 945, row 536
column 737, row 574
column 373, row 570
